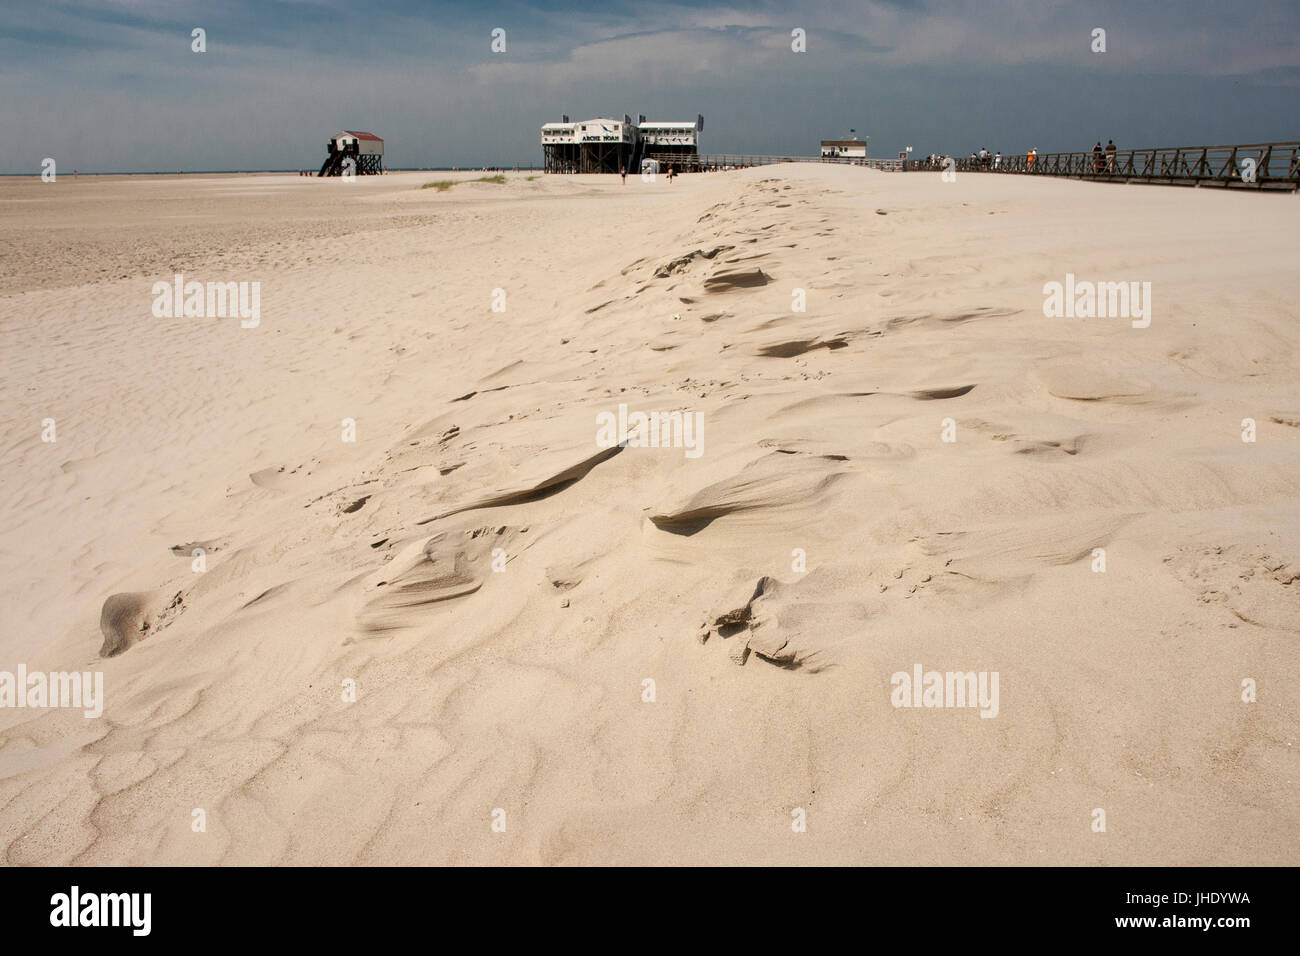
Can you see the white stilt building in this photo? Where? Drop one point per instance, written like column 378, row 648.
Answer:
column 608, row 145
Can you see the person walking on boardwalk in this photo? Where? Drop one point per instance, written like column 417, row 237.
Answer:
column 1110, row 156
column 1030, row 157
column 1097, row 158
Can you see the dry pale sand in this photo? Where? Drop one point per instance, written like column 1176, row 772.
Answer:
column 522, row 689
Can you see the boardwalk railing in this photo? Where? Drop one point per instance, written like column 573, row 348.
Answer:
column 701, row 163
column 1247, row 166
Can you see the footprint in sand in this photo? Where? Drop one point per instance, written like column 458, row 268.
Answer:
column 1258, row 587
column 773, row 484
column 446, row 566
column 766, row 619
column 131, row 616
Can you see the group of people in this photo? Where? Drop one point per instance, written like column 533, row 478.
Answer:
column 986, row 159
column 1103, row 160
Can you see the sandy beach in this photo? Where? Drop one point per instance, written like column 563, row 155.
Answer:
column 367, row 586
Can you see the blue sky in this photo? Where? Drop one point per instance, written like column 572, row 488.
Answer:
column 112, row 85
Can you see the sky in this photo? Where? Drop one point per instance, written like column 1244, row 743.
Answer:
column 114, row 85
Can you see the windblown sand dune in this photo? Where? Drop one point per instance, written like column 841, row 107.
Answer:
column 372, row 650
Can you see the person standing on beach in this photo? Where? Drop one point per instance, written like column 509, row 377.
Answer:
column 622, row 171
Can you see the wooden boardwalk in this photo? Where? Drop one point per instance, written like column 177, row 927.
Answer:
column 1263, row 166
column 1271, row 166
